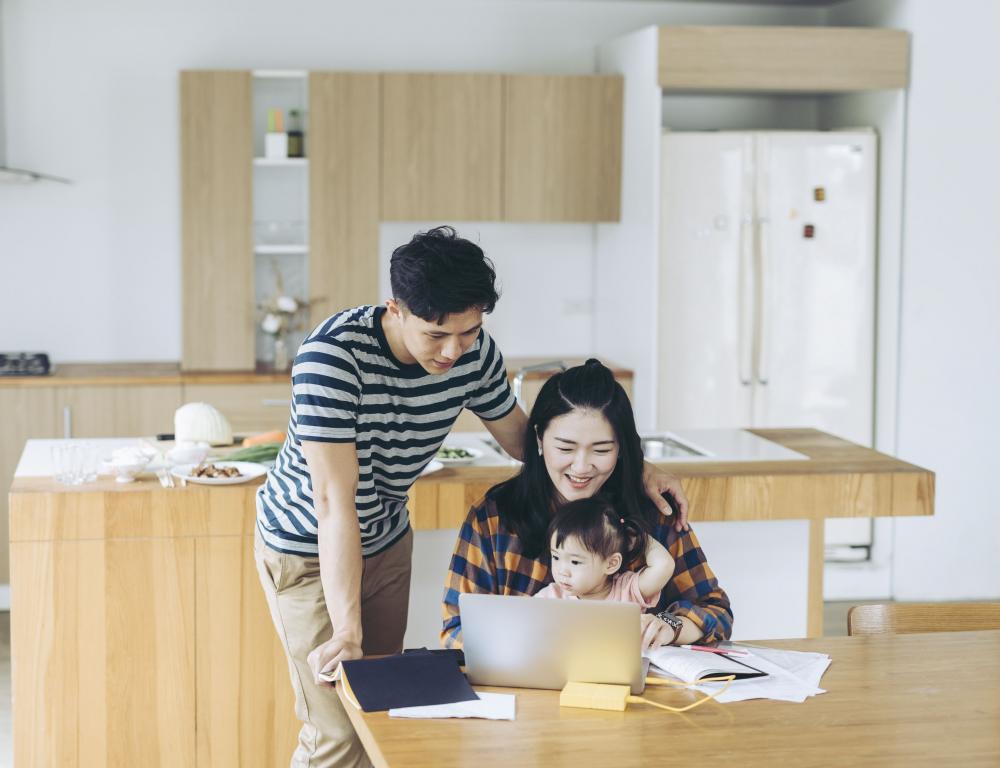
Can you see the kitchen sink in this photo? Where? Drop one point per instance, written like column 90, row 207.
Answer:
column 668, row 446
column 691, row 445
column 662, row 447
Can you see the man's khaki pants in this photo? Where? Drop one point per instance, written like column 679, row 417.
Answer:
column 295, row 596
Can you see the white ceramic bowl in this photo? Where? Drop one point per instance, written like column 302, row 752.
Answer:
column 188, row 453
column 126, row 471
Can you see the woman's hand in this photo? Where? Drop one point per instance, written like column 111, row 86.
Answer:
column 326, row 657
column 655, row 631
column 657, row 483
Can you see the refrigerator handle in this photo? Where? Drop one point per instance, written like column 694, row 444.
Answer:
column 763, row 325
column 745, row 302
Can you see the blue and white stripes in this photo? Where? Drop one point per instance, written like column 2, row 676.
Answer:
column 348, row 387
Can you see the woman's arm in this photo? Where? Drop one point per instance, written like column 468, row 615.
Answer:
column 694, row 594
column 472, row 569
column 659, row 568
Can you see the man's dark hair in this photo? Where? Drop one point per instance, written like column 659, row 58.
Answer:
column 439, row 273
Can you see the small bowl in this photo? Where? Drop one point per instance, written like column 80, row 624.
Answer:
column 188, row 453
column 126, row 472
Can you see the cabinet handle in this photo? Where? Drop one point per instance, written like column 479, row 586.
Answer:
column 276, row 402
column 67, row 422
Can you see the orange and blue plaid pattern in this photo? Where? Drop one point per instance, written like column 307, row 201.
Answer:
column 489, row 559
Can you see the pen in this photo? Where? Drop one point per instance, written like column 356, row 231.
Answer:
column 709, row 649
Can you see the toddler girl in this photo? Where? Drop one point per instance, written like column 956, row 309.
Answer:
column 591, row 548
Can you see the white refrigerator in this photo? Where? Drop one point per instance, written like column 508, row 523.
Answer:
column 767, row 285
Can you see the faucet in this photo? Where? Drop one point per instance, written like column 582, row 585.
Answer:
column 552, row 365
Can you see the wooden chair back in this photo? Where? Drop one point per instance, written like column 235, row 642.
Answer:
column 904, row 618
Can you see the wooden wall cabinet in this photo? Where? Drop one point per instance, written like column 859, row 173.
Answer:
column 216, row 221
column 775, row 59
column 381, row 147
column 442, row 147
column 344, row 159
column 563, row 148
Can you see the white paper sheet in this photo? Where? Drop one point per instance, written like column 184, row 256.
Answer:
column 490, row 706
column 791, row 676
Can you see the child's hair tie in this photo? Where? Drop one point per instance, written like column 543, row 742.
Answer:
column 621, row 520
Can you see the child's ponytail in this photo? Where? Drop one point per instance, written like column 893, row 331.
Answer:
column 633, row 534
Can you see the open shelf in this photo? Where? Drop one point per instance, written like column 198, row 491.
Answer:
column 280, row 74
column 280, row 249
column 297, row 162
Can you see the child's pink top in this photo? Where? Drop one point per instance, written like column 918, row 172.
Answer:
column 624, row 589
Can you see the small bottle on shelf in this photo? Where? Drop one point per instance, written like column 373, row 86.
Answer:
column 296, row 139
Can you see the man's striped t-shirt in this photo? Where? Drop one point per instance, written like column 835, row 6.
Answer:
column 347, row 386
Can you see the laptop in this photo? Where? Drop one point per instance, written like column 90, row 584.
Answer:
column 524, row 642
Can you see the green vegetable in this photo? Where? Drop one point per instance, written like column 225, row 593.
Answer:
column 264, row 453
column 453, row 453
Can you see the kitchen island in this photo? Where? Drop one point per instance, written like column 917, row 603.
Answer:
column 140, row 635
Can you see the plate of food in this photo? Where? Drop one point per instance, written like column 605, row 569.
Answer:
column 219, row 472
column 453, row 455
column 433, row 466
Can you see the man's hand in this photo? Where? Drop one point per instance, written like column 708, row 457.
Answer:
column 326, row 657
column 657, row 483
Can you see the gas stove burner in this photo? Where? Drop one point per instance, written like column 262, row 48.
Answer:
column 24, row 364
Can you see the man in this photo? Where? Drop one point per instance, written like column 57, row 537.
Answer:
column 375, row 392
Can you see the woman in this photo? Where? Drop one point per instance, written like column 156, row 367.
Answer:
column 584, row 431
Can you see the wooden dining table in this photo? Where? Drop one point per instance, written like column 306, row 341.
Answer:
column 920, row 699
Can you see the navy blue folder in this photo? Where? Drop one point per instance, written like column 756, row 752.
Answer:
column 411, row 679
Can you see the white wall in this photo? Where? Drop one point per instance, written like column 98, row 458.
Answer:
column 948, row 417
column 91, row 94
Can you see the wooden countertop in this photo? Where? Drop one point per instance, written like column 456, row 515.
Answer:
column 840, row 479
column 139, row 373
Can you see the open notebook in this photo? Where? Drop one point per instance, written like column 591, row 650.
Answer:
column 692, row 666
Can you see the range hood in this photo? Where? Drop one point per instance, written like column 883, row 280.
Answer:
column 20, row 175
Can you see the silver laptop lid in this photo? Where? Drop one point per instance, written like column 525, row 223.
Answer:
column 526, row 642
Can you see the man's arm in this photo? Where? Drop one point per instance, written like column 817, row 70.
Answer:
column 509, row 431
column 333, row 468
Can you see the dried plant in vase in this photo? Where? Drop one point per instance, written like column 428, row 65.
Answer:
column 280, row 314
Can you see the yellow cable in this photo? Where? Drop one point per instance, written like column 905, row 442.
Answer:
column 708, row 697
column 682, row 684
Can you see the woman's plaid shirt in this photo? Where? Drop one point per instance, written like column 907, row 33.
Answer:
column 489, row 559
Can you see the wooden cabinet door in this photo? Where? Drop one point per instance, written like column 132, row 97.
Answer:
column 134, row 410
column 246, row 708
column 248, row 407
column 217, row 296
column 344, row 120
column 441, row 147
column 563, row 139
column 26, row 413
column 104, row 639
